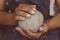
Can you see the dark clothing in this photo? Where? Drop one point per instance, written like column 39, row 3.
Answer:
column 43, row 6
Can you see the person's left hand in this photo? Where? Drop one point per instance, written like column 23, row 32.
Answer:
column 27, row 33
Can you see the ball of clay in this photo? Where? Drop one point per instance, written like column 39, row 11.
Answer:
column 32, row 23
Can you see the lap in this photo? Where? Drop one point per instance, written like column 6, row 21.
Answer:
column 12, row 34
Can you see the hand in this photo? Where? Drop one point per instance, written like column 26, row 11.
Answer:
column 24, row 11
column 25, row 32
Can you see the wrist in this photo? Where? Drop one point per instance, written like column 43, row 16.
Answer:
column 7, row 19
column 12, row 19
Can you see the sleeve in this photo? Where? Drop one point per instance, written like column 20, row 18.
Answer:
column 7, row 19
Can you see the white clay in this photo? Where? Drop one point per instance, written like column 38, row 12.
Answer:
column 32, row 23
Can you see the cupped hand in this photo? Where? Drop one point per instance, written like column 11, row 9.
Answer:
column 27, row 33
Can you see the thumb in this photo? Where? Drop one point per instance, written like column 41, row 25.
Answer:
column 43, row 28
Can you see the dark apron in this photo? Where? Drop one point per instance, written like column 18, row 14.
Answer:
column 43, row 6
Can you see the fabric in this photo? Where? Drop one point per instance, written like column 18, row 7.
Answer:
column 52, row 2
column 43, row 6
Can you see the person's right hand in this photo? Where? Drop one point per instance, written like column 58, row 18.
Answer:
column 32, row 35
column 24, row 11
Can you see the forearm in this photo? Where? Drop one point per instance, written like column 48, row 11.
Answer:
column 54, row 22
column 7, row 19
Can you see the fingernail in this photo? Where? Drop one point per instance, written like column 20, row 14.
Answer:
column 17, row 28
column 34, row 9
column 32, row 12
column 28, row 15
column 22, row 18
column 41, row 28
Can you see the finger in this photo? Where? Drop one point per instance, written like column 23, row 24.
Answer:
column 28, row 6
column 20, row 18
column 35, row 35
column 33, row 7
column 24, row 14
column 43, row 28
column 38, row 35
column 28, row 9
column 29, row 33
column 21, row 31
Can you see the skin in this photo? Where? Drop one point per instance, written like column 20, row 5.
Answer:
column 30, row 10
column 15, row 16
column 23, row 15
column 25, row 31
column 50, row 24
